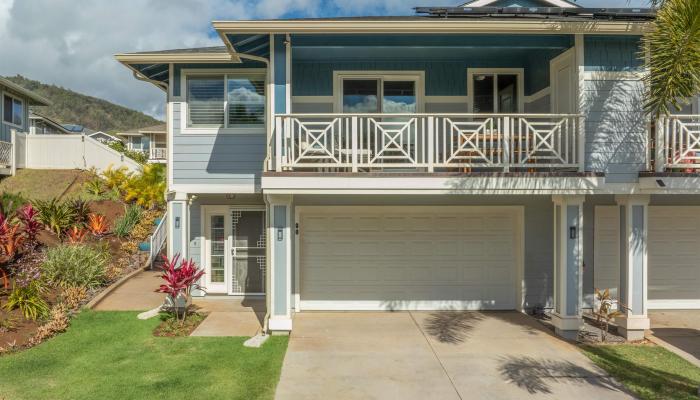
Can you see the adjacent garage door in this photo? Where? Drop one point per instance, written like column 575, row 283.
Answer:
column 379, row 258
column 674, row 257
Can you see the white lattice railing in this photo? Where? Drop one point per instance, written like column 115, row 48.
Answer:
column 678, row 143
column 428, row 142
column 157, row 239
column 6, row 153
column 158, row 153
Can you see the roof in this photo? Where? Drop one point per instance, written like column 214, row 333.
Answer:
column 552, row 3
column 55, row 124
column 34, row 99
column 104, row 134
column 160, row 128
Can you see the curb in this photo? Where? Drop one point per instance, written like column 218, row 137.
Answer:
column 97, row 299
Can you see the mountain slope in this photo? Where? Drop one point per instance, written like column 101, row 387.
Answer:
column 69, row 107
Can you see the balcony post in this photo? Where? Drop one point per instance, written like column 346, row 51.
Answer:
column 581, row 144
column 278, row 144
column 660, row 158
column 431, row 144
column 353, row 140
column 506, row 144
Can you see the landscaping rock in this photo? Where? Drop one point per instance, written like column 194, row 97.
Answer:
column 150, row 314
column 256, row 341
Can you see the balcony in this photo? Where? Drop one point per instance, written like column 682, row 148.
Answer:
column 678, row 144
column 158, row 154
column 428, row 143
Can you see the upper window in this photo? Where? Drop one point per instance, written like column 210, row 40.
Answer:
column 226, row 101
column 379, row 95
column 495, row 93
column 13, row 110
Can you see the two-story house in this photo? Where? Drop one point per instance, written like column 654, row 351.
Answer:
column 492, row 156
column 14, row 108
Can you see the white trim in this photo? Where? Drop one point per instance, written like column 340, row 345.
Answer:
column 520, row 72
column 553, row 3
column 610, row 75
column 674, row 304
column 416, row 76
column 225, row 72
column 566, row 58
column 24, row 110
column 208, row 188
column 169, row 125
column 206, row 212
column 288, row 73
column 537, row 95
column 277, row 323
column 305, row 305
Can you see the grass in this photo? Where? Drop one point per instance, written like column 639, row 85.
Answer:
column 650, row 372
column 42, row 184
column 113, row 355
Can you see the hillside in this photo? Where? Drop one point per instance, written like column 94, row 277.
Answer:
column 70, row 107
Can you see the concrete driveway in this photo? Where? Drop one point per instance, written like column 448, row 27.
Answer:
column 679, row 331
column 435, row 355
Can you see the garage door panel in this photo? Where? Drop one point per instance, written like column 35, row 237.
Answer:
column 430, row 258
column 674, row 257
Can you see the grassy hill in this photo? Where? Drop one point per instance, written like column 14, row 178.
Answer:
column 70, row 107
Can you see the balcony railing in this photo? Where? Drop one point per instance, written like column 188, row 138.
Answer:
column 427, row 142
column 678, row 143
column 158, row 153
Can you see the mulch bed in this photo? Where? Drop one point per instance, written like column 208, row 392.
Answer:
column 170, row 327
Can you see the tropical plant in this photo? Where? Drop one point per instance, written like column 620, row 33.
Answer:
column 179, row 282
column 124, row 224
column 94, row 186
column 11, row 241
column 81, row 209
column 73, row 296
column 27, row 215
column 76, row 234
column 29, row 301
column 58, row 322
column 605, row 312
column 673, row 45
column 97, row 224
column 147, row 188
column 115, row 179
column 57, row 216
column 75, row 265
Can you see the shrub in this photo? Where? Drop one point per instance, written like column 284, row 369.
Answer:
column 116, row 179
column 147, row 188
column 73, row 296
column 97, row 224
column 94, row 186
column 179, row 281
column 27, row 216
column 137, row 156
column 124, row 224
column 76, row 234
column 81, row 208
column 57, row 216
column 11, row 240
column 58, row 322
column 29, row 301
column 75, row 265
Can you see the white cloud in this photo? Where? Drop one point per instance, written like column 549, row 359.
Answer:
column 71, row 43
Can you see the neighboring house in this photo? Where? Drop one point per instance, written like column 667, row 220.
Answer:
column 14, row 108
column 103, row 137
column 150, row 140
column 462, row 158
column 42, row 125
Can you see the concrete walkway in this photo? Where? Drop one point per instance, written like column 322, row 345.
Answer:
column 435, row 355
column 136, row 294
column 230, row 316
column 678, row 331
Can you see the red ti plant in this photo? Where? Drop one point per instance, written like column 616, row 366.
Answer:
column 179, row 282
column 27, row 215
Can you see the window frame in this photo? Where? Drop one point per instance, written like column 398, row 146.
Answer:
column 519, row 72
column 225, row 73
column 416, row 76
column 2, row 106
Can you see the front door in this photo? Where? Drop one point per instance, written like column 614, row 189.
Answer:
column 235, row 250
column 248, row 251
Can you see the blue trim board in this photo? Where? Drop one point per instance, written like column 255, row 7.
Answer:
column 280, row 259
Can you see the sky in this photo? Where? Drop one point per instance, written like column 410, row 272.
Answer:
column 71, row 43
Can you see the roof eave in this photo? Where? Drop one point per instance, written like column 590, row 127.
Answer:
column 158, row 58
column 431, row 26
column 36, row 100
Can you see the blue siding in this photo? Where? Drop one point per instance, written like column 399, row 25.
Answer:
column 280, row 74
column 612, row 53
column 235, row 159
column 572, row 266
column 280, row 266
column 637, row 303
column 5, row 129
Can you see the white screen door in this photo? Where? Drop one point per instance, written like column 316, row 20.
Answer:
column 248, row 240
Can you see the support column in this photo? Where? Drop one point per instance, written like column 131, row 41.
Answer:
column 568, row 265
column 177, row 224
column 633, row 266
column 279, row 285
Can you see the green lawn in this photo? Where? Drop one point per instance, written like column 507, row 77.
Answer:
column 113, row 355
column 651, row 372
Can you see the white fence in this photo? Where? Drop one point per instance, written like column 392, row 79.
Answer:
column 428, row 142
column 67, row 152
column 678, row 143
